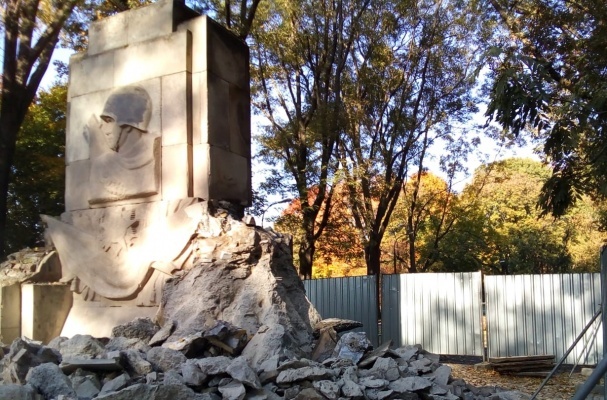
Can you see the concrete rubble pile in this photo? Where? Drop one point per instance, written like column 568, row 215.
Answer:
column 30, row 265
column 139, row 363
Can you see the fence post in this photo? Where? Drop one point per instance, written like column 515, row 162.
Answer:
column 604, row 305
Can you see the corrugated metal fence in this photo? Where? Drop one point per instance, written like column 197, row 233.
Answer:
column 441, row 311
column 543, row 314
column 349, row 298
column 526, row 314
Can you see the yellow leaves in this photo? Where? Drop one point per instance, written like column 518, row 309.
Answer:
column 336, row 268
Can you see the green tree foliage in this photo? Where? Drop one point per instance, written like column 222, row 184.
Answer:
column 31, row 30
column 494, row 225
column 549, row 76
column 300, row 54
column 239, row 16
column 503, row 232
column 409, row 81
column 38, row 173
column 424, row 215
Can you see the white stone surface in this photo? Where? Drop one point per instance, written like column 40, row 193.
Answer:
column 146, row 23
column 198, row 28
column 80, row 322
column 229, row 176
column 154, row 88
column 176, row 173
column 76, row 185
column 44, row 309
column 197, row 108
column 151, row 59
column 107, row 34
column 81, row 109
column 239, row 121
column 176, row 104
column 216, row 115
column 91, row 74
column 10, row 312
column 201, row 170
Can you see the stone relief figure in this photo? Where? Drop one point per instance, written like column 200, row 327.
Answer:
column 113, row 248
column 124, row 154
column 116, row 250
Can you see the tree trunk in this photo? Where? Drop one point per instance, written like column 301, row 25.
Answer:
column 24, row 64
column 308, row 244
column 412, row 261
column 10, row 121
column 373, row 254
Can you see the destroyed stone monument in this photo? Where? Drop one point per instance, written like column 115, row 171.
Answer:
column 158, row 173
column 174, row 295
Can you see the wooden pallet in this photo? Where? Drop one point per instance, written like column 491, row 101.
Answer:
column 522, row 364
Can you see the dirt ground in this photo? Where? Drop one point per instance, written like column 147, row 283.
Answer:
column 560, row 386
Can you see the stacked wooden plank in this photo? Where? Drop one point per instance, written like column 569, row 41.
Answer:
column 523, row 365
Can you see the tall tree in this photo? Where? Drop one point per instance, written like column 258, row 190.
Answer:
column 300, row 55
column 31, row 32
column 38, row 173
column 502, row 231
column 238, row 16
column 410, row 80
column 429, row 205
column 339, row 251
column 549, row 76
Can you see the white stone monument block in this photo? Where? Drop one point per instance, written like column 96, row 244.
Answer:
column 91, row 74
column 176, row 109
column 77, row 185
column 176, row 171
column 147, row 141
column 146, row 60
column 108, row 34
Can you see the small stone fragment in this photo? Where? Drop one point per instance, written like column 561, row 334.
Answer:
column 172, row 377
column 328, row 388
column 352, row 345
column 192, row 375
column 410, row 384
column 17, row 392
column 86, row 386
column 310, row 373
column 163, row 334
column 214, row 365
column 309, row 394
column 49, row 380
column 164, row 359
column 351, row 390
column 240, row 370
column 135, row 363
column 325, row 344
column 81, row 347
column 115, row 384
column 233, row 391
column 139, row 328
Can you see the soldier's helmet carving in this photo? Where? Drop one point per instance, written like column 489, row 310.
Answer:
column 129, row 106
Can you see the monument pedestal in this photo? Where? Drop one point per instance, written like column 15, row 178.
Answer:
column 44, row 309
column 10, row 312
column 161, row 131
column 98, row 319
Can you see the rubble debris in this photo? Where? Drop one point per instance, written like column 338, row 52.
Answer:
column 84, row 368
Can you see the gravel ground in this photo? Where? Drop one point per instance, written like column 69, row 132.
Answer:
column 560, row 386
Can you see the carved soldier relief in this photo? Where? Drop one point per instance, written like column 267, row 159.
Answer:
column 125, row 156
